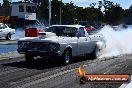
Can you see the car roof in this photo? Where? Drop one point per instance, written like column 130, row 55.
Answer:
column 76, row 26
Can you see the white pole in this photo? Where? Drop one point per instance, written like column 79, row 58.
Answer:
column 49, row 12
column 60, row 11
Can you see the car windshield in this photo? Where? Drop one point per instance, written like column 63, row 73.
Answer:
column 2, row 26
column 63, row 31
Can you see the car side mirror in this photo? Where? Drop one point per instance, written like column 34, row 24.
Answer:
column 78, row 35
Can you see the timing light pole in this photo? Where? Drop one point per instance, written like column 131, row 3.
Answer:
column 60, row 11
column 49, row 12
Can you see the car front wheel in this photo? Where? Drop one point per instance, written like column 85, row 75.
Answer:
column 67, row 56
column 29, row 58
column 8, row 37
column 95, row 53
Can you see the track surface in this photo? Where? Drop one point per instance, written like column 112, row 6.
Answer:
column 6, row 42
column 15, row 73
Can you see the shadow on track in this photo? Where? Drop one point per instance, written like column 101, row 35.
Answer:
column 39, row 64
column 43, row 63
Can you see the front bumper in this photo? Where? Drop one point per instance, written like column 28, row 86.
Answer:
column 43, row 53
column 21, row 51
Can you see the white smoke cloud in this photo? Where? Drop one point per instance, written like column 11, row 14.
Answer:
column 118, row 42
column 20, row 33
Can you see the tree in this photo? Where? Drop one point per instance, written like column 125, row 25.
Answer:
column 114, row 14
column 100, row 5
column 36, row 1
column 128, row 15
column 68, row 13
column 92, row 14
column 130, row 11
column 79, row 13
column 43, row 10
column 92, row 5
column 55, row 6
column 106, row 4
column 6, row 9
column 6, row 4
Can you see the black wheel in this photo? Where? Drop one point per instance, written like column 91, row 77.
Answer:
column 8, row 37
column 29, row 58
column 82, row 80
column 94, row 54
column 67, row 56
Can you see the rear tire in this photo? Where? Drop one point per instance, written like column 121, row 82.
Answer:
column 67, row 56
column 29, row 58
column 8, row 37
column 94, row 54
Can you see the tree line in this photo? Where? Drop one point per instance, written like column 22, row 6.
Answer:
column 104, row 11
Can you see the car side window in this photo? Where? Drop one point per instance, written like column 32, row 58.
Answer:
column 2, row 26
column 70, row 31
column 80, row 32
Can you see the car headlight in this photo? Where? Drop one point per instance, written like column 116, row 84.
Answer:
column 54, row 47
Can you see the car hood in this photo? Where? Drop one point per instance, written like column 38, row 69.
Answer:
column 52, row 37
column 56, row 39
column 28, row 38
column 46, row 37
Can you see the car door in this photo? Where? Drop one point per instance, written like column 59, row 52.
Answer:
column 90, row 43
column 82, row 41
column 1, row 30
column 70, row 40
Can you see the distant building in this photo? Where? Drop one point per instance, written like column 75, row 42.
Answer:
column 24, row 10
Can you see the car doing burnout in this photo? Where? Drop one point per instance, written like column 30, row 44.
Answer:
column 5, row 31
column 65, row 41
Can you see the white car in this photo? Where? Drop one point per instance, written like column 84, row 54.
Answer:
column 65, row 41
column 6, row 31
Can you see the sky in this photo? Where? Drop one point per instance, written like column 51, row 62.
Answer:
column 85, row 3
column 124, row 3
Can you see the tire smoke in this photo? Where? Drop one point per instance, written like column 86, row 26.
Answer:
column 117, row 42
column 20, row 33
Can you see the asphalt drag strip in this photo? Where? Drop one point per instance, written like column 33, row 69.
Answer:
column 51, row 74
